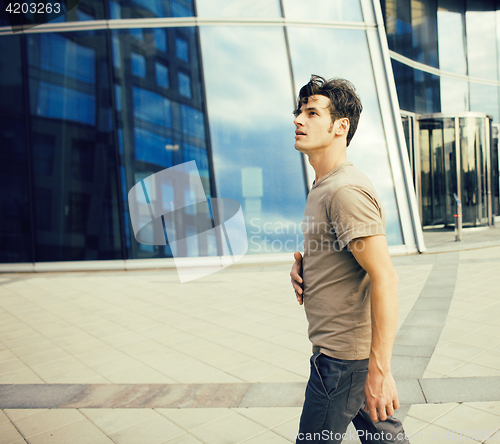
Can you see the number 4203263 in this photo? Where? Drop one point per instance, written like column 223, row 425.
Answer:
column 34, row 8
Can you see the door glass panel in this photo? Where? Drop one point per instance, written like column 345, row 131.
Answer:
column 425, row 179
column 470, row 184
column 438, row 188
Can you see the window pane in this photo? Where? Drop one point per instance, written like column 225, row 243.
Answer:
column 182, row 8
column 115, row 10
column 162, row 75
column 454, row 95
column 451, row 41
column 160, row 39
column 82, row 16
column 74, row 181
column 58, row 54
column 238, row 8
column 137, row 33
column 152, row 107
column 156, row 131
column 484, row 99
column 150, row 147
column 251, row 126
column 481, row 44
column 335, row 10
column 192, row 121
column 49, row 100
column 350, row 58
column 182, row 49
column 184, row 84
column 138, row 65
column 155, row 6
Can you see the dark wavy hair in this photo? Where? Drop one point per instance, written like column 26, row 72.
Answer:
column 344, row 102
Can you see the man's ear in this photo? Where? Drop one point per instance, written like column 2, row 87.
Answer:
column 343, row 127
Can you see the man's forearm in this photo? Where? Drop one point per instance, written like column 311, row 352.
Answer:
column 384, row 315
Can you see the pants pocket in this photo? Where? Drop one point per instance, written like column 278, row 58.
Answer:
column 329, row 371
column 356, row 393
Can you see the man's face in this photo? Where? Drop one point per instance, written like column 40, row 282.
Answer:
column 314, row 127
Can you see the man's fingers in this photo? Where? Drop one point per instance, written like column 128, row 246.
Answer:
column 372, row 411
column 382, row 413
column 297, row 256
column 295, row 276
column 299, row 298
column 296, row 287
column 390, row 410
column 395, row 403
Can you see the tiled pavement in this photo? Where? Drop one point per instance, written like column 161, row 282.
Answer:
column 136, row 357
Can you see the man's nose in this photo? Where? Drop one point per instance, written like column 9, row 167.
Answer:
column 298, row 120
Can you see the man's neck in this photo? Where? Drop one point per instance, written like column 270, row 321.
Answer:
column 326, row 161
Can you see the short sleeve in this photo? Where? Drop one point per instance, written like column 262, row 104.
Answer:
column 355, row 212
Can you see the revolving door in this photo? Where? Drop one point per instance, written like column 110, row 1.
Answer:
column 451, row 158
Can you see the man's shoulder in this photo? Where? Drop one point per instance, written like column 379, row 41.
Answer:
column 349, row 178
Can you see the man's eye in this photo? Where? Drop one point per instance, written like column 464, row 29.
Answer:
column 312, row 113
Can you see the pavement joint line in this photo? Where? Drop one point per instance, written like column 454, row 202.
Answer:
column 421, row 388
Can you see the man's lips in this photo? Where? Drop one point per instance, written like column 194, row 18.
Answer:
column 299, row 133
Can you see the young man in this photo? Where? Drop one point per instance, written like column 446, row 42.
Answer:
column 345, row 280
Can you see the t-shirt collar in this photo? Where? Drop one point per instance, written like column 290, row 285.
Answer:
column 330, row 173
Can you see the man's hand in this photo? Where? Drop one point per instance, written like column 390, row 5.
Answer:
column 381, row 396
column 296, row 275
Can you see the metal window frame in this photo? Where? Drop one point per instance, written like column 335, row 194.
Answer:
column 409, row 214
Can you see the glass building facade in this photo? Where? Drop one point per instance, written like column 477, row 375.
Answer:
column 445, row 57
column 114, row 91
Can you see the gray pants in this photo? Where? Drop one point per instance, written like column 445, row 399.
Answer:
column 334, row 398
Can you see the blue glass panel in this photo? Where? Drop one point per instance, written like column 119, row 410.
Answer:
column 138, row 65
column 83, row 17
column 137, row 33
column 252, row 132
column 241, row 8
column 199, row 155
column 150, row 147
column 350, row 58
column 118, row 97
column 182, row 49
column 192, row 122
column 55, row 53
column 184, row 84
column 152, row 107
column 63, row 103
column 180, row 10
column 334, row 10
column 162, row 75
column 120, row 141
column 115, row 39
column 115, row 10
column 155, row 6
column 160, row 39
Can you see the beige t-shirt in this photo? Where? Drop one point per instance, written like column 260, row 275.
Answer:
column 341, row 206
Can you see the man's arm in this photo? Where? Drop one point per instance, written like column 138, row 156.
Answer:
column 372, row 253
column 296, row 275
